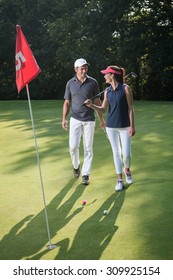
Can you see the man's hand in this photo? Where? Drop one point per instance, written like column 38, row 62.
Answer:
column 65, row 124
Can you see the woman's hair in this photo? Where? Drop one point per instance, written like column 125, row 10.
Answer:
column 119, row 78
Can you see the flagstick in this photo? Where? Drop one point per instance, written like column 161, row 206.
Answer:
column 50, row 246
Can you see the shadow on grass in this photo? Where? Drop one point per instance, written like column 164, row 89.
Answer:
column 52, row 139
column 29, row 235
column 93, row 235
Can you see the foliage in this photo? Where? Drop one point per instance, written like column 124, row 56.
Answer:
column 135, row 34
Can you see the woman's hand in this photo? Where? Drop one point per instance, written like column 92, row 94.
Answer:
column 132, row 131
column 88, row 103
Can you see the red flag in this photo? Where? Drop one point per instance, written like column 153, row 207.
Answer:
column 26, row 66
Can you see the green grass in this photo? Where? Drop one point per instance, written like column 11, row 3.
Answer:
column 139, row 223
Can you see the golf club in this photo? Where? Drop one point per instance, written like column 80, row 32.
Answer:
column 97, row 95
column 131, row 74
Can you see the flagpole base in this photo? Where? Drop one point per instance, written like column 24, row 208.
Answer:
column 51, row 246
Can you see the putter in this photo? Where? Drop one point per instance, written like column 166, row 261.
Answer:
column 97, row 95
column 133, row 74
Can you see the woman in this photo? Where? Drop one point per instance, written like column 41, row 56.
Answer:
column 120, row 121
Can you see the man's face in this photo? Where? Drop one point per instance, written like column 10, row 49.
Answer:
column 81, row 71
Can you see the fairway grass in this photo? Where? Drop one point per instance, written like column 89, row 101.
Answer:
column 138, row 225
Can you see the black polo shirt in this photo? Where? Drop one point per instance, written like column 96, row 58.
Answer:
column 78, row 92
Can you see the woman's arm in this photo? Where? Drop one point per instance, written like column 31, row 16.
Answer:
column 100, row 109
column 129, row 97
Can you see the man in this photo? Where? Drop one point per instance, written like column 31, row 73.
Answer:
column 82, row 121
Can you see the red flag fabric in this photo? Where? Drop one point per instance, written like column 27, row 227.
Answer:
column 26, row 66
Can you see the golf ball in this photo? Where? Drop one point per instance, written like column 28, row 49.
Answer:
column 83, row 202
column 105, row 212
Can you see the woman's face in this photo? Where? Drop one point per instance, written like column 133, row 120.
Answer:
column 108, row 78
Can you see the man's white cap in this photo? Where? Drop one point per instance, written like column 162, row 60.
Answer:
column 80, row 62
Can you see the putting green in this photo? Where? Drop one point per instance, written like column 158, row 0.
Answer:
column 139, row 220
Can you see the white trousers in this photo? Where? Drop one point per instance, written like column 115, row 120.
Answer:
column 80, row 129
column 121, row 147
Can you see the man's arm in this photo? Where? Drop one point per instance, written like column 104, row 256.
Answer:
column 66, row 108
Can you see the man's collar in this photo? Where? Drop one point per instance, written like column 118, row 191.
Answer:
column 76, row 79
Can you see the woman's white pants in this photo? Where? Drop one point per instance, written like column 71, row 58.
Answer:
column 121, row 147
column 80, row 129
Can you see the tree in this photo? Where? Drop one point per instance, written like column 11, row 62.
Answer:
column 134, row 34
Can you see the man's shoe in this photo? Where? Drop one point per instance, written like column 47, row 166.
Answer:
column 128, row 177
column 85, row 180
column 76, row 172
column 119, row 186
